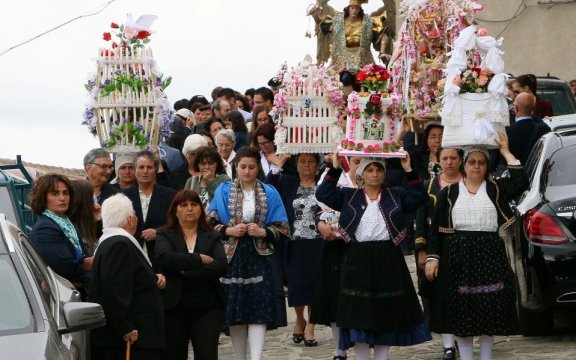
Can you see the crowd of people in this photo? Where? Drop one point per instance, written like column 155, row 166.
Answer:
column 212, row 230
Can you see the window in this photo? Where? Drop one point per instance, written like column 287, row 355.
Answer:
column 15, row 312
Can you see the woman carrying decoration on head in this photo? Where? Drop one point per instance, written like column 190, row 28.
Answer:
column 212, row 173
column 325, row 305
column 450, row 161
column 378, row 306
column 54, row 236
column 304, row 250
column 475, row 290
column 252, row 217
column 192, row 257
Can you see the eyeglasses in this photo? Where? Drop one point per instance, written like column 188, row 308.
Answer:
column 264, row 143
column 224, row 145
column 435, row 136
column 104, row 166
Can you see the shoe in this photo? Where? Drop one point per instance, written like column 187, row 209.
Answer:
column 310, row 342
column 449, row 353
column 339, row 357
column 298, row 337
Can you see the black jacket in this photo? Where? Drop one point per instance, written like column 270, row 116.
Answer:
column 500, row 191
column 178, row 264
column 124, row 284
column 157, row 211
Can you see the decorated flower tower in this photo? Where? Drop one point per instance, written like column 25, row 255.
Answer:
column 474, row 107
column 127, row 107
column 424, row 40
column 307, row 103
column 372, row 116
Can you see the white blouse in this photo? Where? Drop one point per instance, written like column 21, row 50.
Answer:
column 249, row 206
column 474, row 212
column 372, row 226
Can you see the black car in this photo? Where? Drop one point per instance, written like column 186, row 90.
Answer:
column 544, row 242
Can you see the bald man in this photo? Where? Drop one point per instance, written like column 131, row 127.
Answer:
column 527, row 128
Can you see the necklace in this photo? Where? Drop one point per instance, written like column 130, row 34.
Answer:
column 447, row 181
column 372, row 199
column 470, row 192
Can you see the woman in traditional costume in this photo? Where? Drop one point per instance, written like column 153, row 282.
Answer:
column 378, row 306
column 475, row 290
column 252, row 217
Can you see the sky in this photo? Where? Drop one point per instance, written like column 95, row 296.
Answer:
column 200, row 43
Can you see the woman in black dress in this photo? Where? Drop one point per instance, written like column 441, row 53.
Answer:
column 193, row 259
column 475, row 290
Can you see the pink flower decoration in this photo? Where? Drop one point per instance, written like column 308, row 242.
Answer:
column 456, row 80
column 482, row 32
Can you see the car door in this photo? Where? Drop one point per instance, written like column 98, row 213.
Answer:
column 48, row 286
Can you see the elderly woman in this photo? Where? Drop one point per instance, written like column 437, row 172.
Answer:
column 252, row 217
column 127, row 288
column 193, row 260
column 181, row 175
column 125, row 171
column 378, row 306
column 98, row 167
column 304, row 250
column 450, row 162
column 225, row 143
column 475, row 292
column 54, row 236
column 211, row 168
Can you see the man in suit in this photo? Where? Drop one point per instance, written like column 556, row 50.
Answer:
column 150, row 200
column 125, row 284
column 527, row 128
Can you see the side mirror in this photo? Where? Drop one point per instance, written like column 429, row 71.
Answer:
column 82, row 316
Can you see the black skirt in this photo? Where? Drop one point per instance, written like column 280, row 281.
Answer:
column 377, row 293
column 325, row 305
column 475, row 292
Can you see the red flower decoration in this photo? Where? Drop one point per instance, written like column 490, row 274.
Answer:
column 143, row 34
column 375, row 99
column 107, row 36
column 114, row 26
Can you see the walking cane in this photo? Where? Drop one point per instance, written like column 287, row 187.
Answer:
column 128, row 350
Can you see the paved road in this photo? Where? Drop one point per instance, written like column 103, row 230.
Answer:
column 279, row 345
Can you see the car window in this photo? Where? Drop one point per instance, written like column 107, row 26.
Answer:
column 534, row 159
column 559, row 98
column 41, row 276
column 15, row 312
column 561, row 169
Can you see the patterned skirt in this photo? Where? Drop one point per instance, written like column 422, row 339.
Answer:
column 378, row 304
column 253, row 287
column 475, row 292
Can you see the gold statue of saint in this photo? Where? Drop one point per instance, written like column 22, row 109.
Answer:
column 347, row 37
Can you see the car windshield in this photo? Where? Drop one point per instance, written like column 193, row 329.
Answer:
column 559, row 98
column 15, row 313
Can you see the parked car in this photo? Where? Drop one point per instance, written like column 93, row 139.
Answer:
column 543, row 244
column 559, row 94
column 561, row 123
column 41, row 315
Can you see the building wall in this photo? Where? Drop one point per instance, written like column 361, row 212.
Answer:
column 540, row 40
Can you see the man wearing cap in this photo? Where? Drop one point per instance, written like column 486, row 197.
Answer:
column 180, row 129
column 198, row 99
